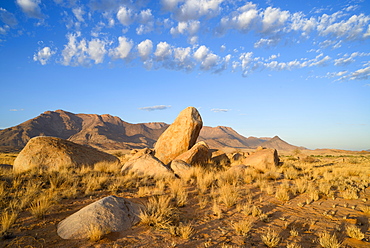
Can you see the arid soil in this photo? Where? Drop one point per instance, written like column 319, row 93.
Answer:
column 304, row 198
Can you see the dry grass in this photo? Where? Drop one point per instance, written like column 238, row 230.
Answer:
column 210, row 198
column 229, row 194
column 7, row 220
column 271, row 238
column 243, row 227
column 40, row 206
column 355, row 232
column 326, row 240
column 158, row 212
column 95, row 233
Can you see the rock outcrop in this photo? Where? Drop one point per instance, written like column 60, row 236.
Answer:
column 264, row 160
column 110, row 214
column 198, row 154
column 180, row 167
column 54, row 153
column 180, row 136
column 147, row 164
column 220, row 158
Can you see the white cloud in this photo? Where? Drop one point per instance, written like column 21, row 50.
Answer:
column 266, row 42
column 123, row 49
column 145, row 49
column 193, row 9
column 15, row 110
column 218, row 110
column 147, row 22
column 207, row 59
column 243, row 19
column 190, row 27
column 31, row 8
column 124, row 16
column 79, row 12
column 163, row 51
column 43, row 55
column 8, row 18
column 170, row 4
column 96, row 50
column 273, row 19
column 157, row 107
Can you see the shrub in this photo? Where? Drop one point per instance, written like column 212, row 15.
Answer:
column 243, row 227
column 354, row 232
column 329, row 241
column 7, row 220
column 158, row 212
column 271, row 238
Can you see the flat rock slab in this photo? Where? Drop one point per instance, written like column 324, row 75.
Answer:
column 110, row 214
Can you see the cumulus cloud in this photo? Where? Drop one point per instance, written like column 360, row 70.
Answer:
column 207, row 59
column 124, row 16
column 273, row 19
column 145, row 49
column 146, row 19
column 43, row 55
column 218, row 110
column 243, row 19
column 96, row 50
column 157, row 107
column 190, row 27
column 81, row 52
column 123, row 49
column 31, row 8
column 163, row 51
column 193, row 9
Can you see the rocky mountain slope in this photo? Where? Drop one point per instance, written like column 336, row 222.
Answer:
column 110, row 132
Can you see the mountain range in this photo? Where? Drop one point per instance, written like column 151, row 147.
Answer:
column 109, row 132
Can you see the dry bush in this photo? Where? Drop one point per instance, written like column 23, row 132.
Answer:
column 291, row 173
column 329, row 241
column 256, row 211
column 365, row 209
column 301, row 185
column 205, row 181
column 185, row 231
column 355, row 232
column 7, row 220
column 107, row 167
column 243, row 227
column 293, row 245
column 271, row 238
column 40, row 206
column 229, row 194
column 158, row 212
column 350, row 194
column 282, row 194
column 95, row 232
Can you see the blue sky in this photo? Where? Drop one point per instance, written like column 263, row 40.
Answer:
column 296, row 69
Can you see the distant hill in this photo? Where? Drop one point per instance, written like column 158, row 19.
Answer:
column 110, row 132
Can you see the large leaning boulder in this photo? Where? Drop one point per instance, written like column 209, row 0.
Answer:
column 147, row 164
column 198, row 154
column 263, row 160
column 54, row 153
column 110, row 214
column 180, row 136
